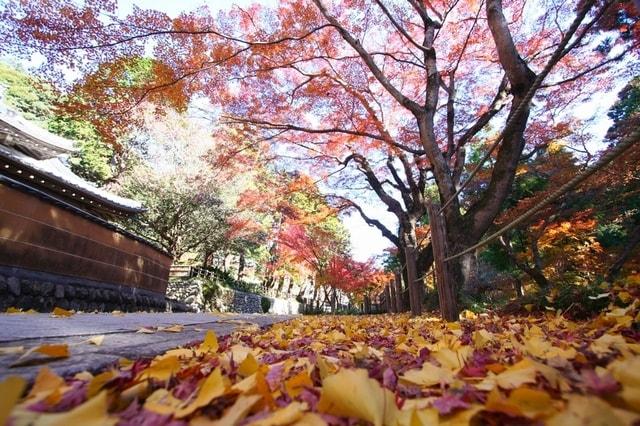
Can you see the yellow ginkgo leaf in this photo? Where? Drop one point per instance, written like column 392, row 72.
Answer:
column 210, row 343
column 284, row 416
column 248, row 366
column 297, row 383
column 97, row 382
column 453, row 360
column 162, row 369
column 53, row 351
column 162, row 402
column 91, row 413
column 212, row 387
column 11, row 390
column 428, row 375
column 310, row 419
column 46, row 382
column 481, row 338
column 517, row 375
column 234, row 414
column 586, row 411
column 61, row 313
column 352, row 393
column 531, row 403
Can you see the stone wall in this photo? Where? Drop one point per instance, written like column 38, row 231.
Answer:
column 191, row 292
column 26, row 289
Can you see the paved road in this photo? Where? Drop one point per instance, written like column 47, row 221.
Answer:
column 121, row 336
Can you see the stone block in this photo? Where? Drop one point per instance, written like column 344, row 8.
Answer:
column 13, row 284
column 59, row 291
column 46, row 288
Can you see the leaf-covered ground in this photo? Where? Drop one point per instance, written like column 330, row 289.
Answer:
column 358, row 370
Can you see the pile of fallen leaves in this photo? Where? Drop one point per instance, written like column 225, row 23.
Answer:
column 380, row 370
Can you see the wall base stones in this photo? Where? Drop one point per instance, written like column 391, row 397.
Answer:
column 191, row 292
column 25, row 289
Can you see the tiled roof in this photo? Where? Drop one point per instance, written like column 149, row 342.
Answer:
column 41, row 152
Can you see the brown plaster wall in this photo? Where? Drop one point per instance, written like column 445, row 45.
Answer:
column 40, row 236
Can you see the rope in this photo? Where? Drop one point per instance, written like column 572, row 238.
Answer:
column 524, row 104
column 570, row 185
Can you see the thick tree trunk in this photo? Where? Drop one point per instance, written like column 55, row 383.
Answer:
column 447, row 294
column 469, row 269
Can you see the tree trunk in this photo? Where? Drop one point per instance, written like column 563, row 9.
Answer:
column 205, row 259
column 447, row 294
column 388, row 305
column 393, row 299
column 398, row 286
column 414, row 284
column 241, row 265
column 367, row 304
column 334, row 301
column 469, row 270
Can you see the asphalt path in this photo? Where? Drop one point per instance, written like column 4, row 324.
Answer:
column 122, row 337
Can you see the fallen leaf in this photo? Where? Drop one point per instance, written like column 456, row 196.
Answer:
column 248, row 366
column 11, row 390
column 145, row 330
column 11, row 350
column 161, row 401
column 234, row 414
column 46, row 381
column 96, row 340
column 587, row 411
column 162, row 369
column 352, row 393
column 91, row 413
column 98, row 382
column 517, row 375
column 177, row 328
column 283, row 416
column 209, row 344
column 212, row 387
column 61, row 313
column 428, row 375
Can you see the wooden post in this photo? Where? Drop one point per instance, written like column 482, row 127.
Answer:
column 393, row 299
column 415, row 301
column 444, row 281
column 387, row 299
column 398, row 282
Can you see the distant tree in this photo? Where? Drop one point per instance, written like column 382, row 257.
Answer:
column 182, row 216
column 37, row 101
